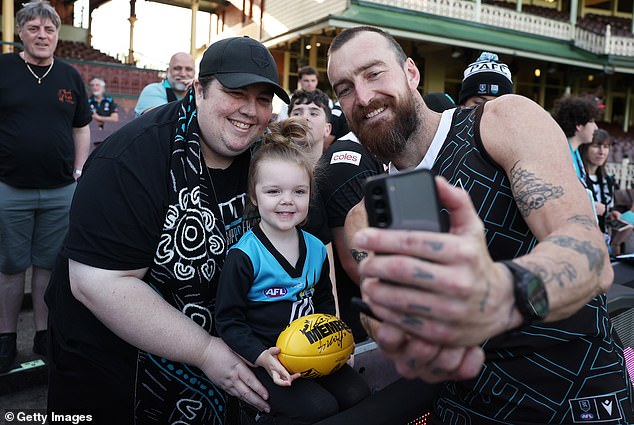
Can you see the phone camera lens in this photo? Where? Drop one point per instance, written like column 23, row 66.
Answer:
column 379, row 205
column 382, row 220
column 377, row 191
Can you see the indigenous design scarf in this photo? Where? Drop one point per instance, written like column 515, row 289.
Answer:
column 185, row 272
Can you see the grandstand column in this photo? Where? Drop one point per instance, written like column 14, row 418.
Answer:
column 574, row 5
column 7, row 26
column 312, row 53
column 192, row 36
column 132, row 20
column 286, row 74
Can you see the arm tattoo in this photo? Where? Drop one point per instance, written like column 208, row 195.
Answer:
column 586, row 222
column 358, row 255
column 560, row 272
column 594, row 255
column 530, row 192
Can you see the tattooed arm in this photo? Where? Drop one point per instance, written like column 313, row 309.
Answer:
column 450, row 292
column 571, row 256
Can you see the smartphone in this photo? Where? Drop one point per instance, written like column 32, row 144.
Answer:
column 618, row 225
column 359, row 305
column 407, row 200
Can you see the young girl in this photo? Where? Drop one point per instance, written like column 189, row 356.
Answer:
column 594, row 156
column 276, row 257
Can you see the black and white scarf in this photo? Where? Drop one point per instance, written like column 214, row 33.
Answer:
column 185, row 272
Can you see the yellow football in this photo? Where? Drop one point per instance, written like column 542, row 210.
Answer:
column 315, row 345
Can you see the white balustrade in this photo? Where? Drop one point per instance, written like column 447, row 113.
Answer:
column 623, row 173
column 510, row 19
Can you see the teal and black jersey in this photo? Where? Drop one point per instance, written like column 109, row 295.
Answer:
column 570, row 371
column 260, row 292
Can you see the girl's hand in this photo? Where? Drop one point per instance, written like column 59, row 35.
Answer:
column 269, row 361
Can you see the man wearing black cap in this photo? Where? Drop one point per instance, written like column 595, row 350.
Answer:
column 132, row 295
column 485, row 79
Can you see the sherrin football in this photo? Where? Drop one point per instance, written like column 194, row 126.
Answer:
column 315, row 345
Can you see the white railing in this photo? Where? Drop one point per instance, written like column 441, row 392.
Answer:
column 590, row 41
column 621, row 46
column 623, row 173
column 510, row 19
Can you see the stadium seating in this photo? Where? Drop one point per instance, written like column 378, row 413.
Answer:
column 81, row 51
column 597, row 23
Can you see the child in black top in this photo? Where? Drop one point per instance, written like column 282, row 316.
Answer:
column 277, row 273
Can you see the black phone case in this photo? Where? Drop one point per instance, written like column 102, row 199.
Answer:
column 381, row 208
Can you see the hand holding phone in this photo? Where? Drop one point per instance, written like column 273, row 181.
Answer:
column 406, row 200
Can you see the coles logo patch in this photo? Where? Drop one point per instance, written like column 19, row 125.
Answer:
column 348, row 157
column 275, row 292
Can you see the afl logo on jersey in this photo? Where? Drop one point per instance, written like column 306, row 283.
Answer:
column 275, row 292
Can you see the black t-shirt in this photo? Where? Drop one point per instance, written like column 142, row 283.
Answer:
column 36, row 122
column 104, row 107
column 344, row 167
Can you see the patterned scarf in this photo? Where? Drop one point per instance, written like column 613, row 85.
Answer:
column 185, row 272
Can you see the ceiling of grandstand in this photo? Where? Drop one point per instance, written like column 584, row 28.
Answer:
column 209, row 6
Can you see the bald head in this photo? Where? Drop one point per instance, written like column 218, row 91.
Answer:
column 180, row 72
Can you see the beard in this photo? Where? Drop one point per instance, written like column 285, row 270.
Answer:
column 386, row 139
column 178, row 86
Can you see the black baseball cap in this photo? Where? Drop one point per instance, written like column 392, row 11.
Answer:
column 241, row 61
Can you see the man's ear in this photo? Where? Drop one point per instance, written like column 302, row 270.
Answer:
column 412, row 73
column 199, row 91
column 578, row 127
column 327, row 130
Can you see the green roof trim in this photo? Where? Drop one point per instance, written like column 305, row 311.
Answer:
column 360, row 12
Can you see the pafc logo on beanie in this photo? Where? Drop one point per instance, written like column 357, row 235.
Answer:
column 489, row 89
column 486, row 77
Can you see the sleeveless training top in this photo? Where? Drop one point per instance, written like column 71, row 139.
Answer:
column 571, row 371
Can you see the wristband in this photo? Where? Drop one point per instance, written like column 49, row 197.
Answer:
column 77, row 171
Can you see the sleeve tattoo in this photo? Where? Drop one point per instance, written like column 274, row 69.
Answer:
column 593, row 255
column 531, row 193
column 559, row 272
column 586, row 222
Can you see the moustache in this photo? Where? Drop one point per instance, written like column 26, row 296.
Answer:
column 360, row 114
